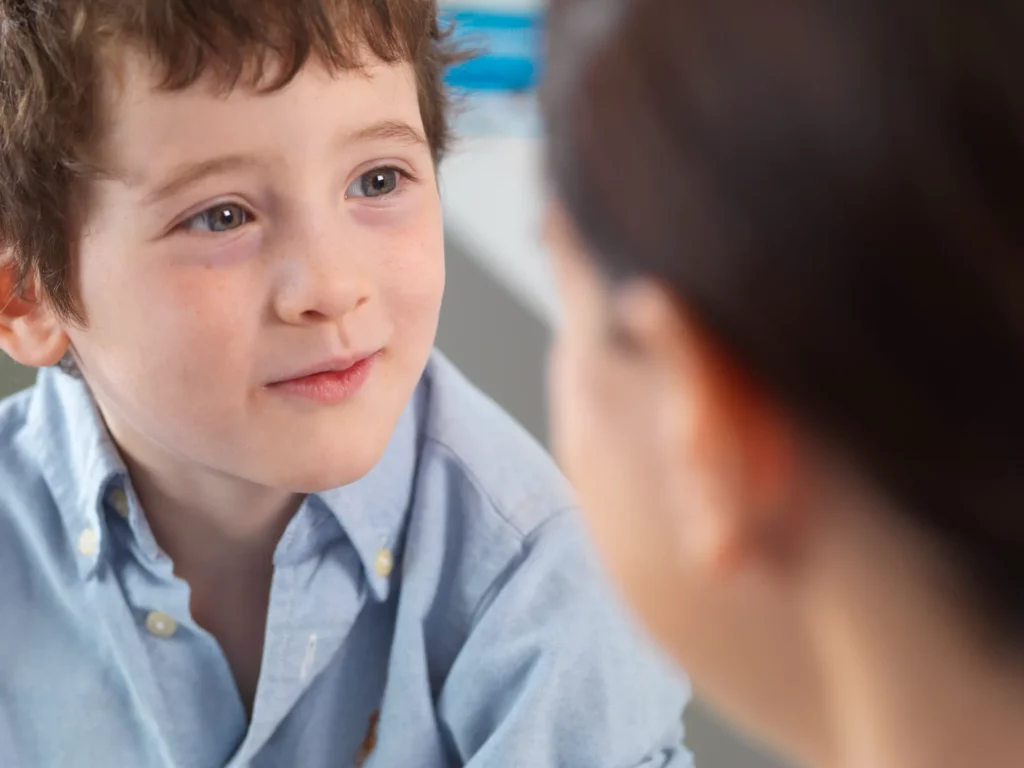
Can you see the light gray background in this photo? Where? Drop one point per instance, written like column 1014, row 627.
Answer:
column 503, row 349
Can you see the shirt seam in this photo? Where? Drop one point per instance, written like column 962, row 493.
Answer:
column 523, row 537
column 498, row 509
column 497, row 583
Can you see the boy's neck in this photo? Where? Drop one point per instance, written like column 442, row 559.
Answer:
column 202, row 520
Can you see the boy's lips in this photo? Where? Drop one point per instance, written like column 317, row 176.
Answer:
column 329, row 382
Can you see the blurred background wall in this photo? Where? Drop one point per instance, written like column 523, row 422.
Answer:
column 13, row 377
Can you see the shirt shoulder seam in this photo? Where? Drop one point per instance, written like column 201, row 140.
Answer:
column 499, row 509
column 514, row 562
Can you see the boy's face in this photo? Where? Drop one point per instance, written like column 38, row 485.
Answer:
column 244, row 241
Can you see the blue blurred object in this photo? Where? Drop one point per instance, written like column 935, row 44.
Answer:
column 509, row 43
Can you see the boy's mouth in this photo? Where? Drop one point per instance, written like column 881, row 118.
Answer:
column 329, row 382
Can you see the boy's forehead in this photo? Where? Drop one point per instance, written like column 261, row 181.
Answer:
column 144, row 122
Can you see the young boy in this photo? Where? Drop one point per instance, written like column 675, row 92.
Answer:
column 253, row 521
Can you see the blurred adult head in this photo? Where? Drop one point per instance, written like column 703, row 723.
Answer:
column 790, row 240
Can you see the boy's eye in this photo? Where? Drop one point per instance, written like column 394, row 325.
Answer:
column 379, row 182
column 219, row 218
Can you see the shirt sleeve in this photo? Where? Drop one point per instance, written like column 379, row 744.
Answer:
column 554, row 672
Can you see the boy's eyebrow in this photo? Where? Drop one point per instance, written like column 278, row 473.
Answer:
column 388, row 129
column 190, row 173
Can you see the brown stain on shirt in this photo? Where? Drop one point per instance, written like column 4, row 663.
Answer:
column 369, row 742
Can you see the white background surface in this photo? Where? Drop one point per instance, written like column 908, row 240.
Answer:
column 493, row 194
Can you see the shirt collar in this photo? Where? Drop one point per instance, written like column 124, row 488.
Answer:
column 373, row 510
column 79, row 460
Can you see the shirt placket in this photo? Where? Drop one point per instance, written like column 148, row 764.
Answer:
column 314, row 602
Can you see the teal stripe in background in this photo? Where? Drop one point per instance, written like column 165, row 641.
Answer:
column 510, row 44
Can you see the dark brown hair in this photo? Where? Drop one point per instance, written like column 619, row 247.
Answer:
column 835, row 190
column 52, row 54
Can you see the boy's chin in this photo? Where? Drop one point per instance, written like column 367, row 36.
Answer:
column 325, row 471
column 320, row 479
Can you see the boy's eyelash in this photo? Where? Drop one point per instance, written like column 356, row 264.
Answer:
column 404, row 173
column 182, row 225
column 403, row 176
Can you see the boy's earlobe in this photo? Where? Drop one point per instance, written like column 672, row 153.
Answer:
column 30, row 331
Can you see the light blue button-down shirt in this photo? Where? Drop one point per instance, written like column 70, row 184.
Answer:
column 444, row 610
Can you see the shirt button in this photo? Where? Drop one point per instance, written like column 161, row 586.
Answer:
column 119, row 501
column 160, row 625
column 384, row 563
column 88, row 542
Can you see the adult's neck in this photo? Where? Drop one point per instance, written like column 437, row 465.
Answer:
column 913, row 680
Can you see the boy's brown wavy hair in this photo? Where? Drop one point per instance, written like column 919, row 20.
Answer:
column 53, row 54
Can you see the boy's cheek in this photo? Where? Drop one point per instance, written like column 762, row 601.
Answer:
column 412, row 292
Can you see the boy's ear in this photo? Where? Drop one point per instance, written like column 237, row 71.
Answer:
column 30, row 331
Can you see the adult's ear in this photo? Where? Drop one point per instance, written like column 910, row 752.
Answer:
column 30, row 331
column 736, row 453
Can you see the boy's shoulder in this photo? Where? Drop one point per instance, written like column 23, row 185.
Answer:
column 53, row 455
column 14, row 414
column 19, row 448
column 497, row 463
column 32, row 539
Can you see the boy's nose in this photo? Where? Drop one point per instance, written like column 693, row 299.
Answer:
column 321, row 283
